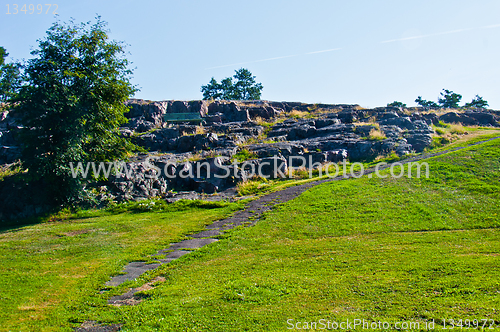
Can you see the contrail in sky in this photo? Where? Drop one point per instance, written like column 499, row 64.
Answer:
column 439, row 34
column 382, row 42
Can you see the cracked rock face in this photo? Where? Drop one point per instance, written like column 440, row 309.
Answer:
column 230, row 128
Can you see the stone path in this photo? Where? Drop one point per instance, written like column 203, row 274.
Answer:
column 249, row 216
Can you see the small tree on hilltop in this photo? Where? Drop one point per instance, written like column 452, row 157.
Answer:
column 396, row 104
column 243, row 88
column 450, row 99
column 72, row 106
column 212, row 90
column 426, row 103
column 477, row 102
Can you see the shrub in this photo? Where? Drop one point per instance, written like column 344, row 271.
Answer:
column 252, row 186
column 244, row 155
column 442, row 124
column 457, row 129
column 397, row 104
column 440, row 141
column 440, row 131
column 376, row 135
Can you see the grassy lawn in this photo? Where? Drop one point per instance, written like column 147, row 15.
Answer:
column 375, row 249
column 50, row 271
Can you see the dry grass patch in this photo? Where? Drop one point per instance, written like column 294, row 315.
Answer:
column 298, row 114
column 376, row 135
column 200, row 130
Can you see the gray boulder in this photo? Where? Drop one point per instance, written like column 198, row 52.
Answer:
column 321, row 123
column 419, row 140
column 402, row 122
column 229, row 112
column 273, row 167
column 301, row 132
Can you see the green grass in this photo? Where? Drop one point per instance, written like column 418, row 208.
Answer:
column 10, row 170
column 243, row 155
column 474, row 135
column 255, row 186
column 375, row 249
column 53, row 271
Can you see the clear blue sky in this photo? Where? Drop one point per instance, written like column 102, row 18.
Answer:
column 374, row 52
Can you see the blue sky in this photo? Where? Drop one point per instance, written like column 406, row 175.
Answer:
column 363, row 52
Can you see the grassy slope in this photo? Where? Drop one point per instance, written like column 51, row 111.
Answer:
column 52, row 270
column 367, row 248
column 406, row 249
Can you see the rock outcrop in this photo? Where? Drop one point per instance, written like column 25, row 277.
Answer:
column 274, row 137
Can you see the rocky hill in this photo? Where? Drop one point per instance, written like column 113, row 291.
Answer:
column 235, row 136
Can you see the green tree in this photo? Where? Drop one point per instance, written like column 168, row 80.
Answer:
column 227, row 89
column 243, row 88
column 212, row 90
column 450, row 99
column 396, row 104
column 72, row 105
column 426, row 103
column 477, row 102
column 10, row 77
column 3, row 55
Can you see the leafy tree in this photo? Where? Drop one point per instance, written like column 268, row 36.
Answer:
column 72, row 105
column 212, row 90
column 227, row 88
column 396, row 104
column 450, row 99
column 243, row 88
column 426, row 103
column 10, row 77
column 477, row 102
column 3, row 55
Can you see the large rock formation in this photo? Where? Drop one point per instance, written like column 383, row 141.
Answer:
column 198, row 157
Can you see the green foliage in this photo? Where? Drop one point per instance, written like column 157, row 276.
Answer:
column 253, row 186
column 450, row 99
column 440, row 131
column 10, row 77
column 72, row 105
column 9, row 170
column 477, row 102
column 243, row 88
column 243, row 155
column 213, row 90
column 442, row 124
column 439, row 142
column 3, row 55
column 397, row 104
column 426, row 103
